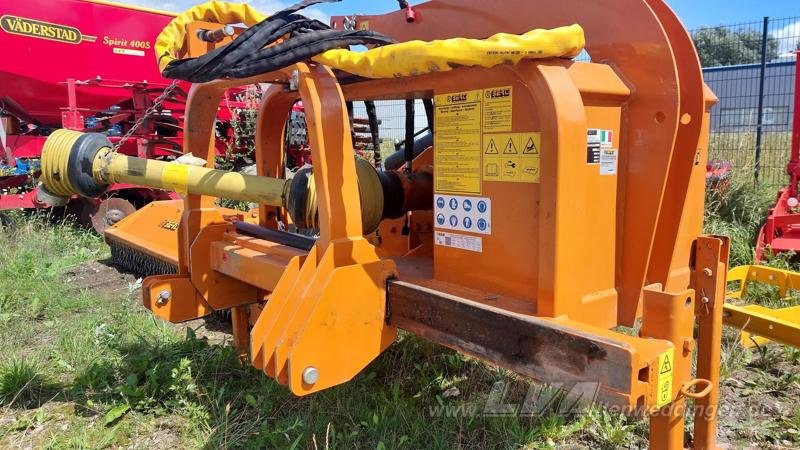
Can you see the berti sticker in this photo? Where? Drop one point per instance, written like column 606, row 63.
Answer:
column 43, row 30
column 170, row 225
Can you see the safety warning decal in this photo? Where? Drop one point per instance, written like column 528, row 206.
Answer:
column 664, row 386
column 512, row 157
column 462, row 119
column 497, row 109
column 455, row 212
column 460, row 241
column 457, row 142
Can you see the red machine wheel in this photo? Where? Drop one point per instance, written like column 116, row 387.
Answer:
column 81, row 210
column 111, row 211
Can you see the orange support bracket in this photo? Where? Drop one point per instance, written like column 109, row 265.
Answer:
column 702, row 303
column 310, row 336
column 173, row 298
column 711, row 268
column 667, row 422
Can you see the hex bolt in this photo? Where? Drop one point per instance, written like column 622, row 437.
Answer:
column 163, row 297
column 707, row 272
column 310, row 375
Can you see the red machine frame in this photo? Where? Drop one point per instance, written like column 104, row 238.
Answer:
column 103, row 81
column 781, row 231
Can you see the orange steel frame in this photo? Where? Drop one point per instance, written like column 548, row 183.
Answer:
column 643, row 257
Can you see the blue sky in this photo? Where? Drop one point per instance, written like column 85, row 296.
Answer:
column 694, row 13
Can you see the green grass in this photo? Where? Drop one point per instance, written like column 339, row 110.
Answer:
column 739, row 148
column 24, row 382
column 737, row 209
column 84, row 368
column 769, row 372
column 93, row 369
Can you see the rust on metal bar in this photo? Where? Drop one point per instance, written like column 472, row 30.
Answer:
column 548, row 350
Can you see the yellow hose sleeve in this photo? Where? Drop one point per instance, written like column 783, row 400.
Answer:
column 420, row 57
column 172, row 38
column 396, row 60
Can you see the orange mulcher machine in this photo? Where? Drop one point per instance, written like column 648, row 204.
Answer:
column 559, row 200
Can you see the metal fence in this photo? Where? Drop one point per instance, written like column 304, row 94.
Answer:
column 392, row 115
column 751, row 68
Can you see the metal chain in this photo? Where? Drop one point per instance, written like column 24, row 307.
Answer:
column 154, row 108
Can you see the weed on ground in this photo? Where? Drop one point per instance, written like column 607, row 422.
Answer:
column 83, row 365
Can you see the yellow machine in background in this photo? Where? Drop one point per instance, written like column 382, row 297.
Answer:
column 559, row 200
column 760, row 324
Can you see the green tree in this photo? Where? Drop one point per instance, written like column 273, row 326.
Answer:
column 720, row 46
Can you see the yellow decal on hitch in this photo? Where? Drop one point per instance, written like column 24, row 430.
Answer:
column 666, row 363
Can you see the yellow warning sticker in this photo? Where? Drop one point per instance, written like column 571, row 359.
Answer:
column 175, row 177
column 512, row 157
column 665, row 365
column 497, row 107
column 457, row 142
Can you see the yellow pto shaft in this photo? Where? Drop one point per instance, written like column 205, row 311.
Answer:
column 85, row 164
column 111, row 167
column 66, row 153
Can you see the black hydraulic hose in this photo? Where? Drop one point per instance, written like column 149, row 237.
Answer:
column 251, row 53
column 372, row 116
column 349, row 105
column 409, row 143
column 288, row 52
column 428, row 103
column 248, row 42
